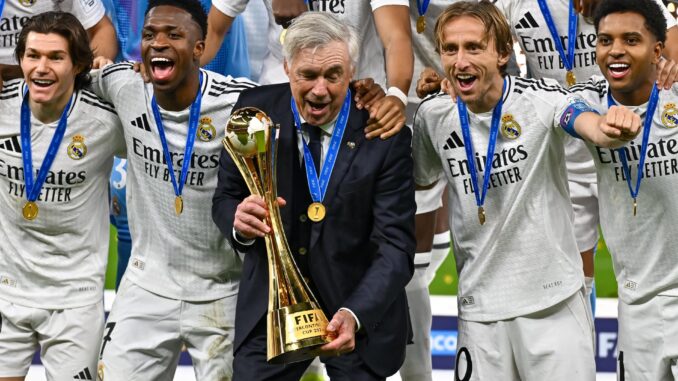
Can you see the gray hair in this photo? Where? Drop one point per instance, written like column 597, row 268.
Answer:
column 312, row 30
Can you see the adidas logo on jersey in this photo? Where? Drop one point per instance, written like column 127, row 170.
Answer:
column 467, row 301
column 83, row 375
column 141, row 122
column 11, row 144
column 527, row 22
column 453, row 141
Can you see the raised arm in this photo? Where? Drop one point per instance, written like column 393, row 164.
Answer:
column 102, row 39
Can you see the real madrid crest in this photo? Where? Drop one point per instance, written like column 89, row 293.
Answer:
column 206, row 131
column 27, row 3
column 510, row 129
column 670, row 115
column 77, row 149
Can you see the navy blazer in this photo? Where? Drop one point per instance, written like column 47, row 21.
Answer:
column 361, row 255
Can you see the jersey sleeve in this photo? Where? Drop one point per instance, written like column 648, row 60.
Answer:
column 427, row 166
column 380, row 3
column 88, row 12
column 230, row 8
column 107, row 82
column 670, row 20
column 594, row 92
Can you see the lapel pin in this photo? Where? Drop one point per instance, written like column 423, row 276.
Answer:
column 350, row 145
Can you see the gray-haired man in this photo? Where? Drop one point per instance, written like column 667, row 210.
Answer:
column 358, row 259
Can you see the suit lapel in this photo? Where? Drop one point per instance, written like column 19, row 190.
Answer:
column 350, row 144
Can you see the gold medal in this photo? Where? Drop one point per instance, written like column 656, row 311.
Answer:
column 570, row 78
column 178, row 205
column 635, row 207
column 481, row 215
column 282, row 36
column 30, row 210
column 421, row 24
column 316, row 212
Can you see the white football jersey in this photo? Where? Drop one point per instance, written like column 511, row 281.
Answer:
column 524, row 258
column 17, row 12
column 358, row 14
column 59, row 259
column 182, row 257
column 643, row 247
column 543, row 61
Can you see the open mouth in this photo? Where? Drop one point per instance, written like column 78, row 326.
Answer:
column 161, row 68
column 618, row 70
column 316, row 107
column 465, row 81
column 43, row 83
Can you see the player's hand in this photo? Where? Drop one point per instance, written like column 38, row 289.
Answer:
column 341, row 330
column 141, row 69
column 387, row 118
column 250, row 216
column 446, row 87
column 428, row 82
column 620, row 123
column 284, row 11
column 667, row 73
column 367, row 93
column 585, row 7
column 101, row 62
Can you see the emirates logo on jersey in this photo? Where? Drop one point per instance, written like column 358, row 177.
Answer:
column 77, row 149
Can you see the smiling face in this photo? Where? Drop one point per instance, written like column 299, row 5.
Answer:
column 48, row 69
column 627, row 53
column 319, row 78
column 171, row 47
column 471, row 62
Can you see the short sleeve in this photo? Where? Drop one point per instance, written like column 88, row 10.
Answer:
column 88, row 12
column 427, row 165
column 231, row 8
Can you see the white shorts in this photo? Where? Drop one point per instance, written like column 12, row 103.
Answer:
column 555, row 344
column 145, row 332
column 584, row 197
column 429, row 200
column 648, row 340
column 68, row 340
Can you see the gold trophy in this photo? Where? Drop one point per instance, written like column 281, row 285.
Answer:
column 297, row 325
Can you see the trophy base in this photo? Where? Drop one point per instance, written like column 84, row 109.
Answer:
column 296, row 333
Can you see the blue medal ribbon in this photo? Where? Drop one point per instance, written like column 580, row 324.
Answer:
column 647, row 125
column 2, row 6
column 568, row 59
column 318, row 186
column 33, row 188
column 470, row 155
column 193, row 117
column 422, row 6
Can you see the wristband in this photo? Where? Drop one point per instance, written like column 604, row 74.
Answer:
column 396, row 92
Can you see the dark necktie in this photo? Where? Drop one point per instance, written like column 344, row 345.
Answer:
column 314, row 145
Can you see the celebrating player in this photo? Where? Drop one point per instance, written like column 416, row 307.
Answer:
column 181, row 268
column 518, row 263
column 638, row 221
column 57, row 143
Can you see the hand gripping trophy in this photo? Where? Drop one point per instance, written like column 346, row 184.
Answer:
column 296, row 323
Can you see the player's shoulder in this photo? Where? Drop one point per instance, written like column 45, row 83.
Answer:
column 597, row 84
column 12, row 92
column 119, row 71
column 538, row 87
column 224, row 87
column 433, row 107
column 93, row 108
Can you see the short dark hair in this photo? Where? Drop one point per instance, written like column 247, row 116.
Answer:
column 193, row 7
column 655, row 21
column 67, row 26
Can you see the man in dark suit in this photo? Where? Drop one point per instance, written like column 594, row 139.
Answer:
column 358, row 259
